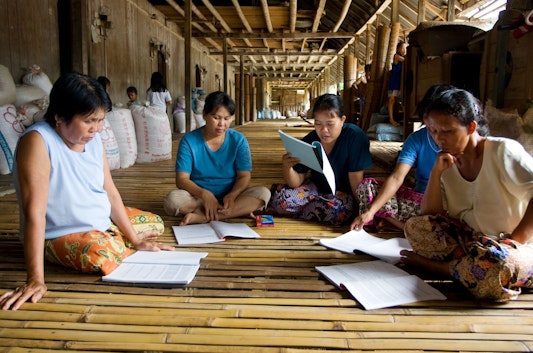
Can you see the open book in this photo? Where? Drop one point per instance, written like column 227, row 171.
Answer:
column 384, row 249
column 211, row 232
column 377, row 284
column 162, row 267
column 310, row 155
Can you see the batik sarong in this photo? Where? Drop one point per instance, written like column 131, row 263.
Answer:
column 489, row 268
column 99, row 252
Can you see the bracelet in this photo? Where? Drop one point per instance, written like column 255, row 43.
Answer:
column 503, row 236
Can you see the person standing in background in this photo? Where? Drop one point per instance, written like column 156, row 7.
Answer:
column 395, row 80
column 157, row 94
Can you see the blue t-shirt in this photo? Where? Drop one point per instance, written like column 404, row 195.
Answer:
column 214, row 171
column 419, row 151
column 350, row 154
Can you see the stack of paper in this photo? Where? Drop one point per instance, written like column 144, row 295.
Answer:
column 162, row 267
column 377, row 284
column 212, row 232
column 384, row 249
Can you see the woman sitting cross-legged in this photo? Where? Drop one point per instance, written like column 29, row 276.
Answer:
column 306, row 193
column 71, row 213
column 392, row 202
column 478, row 209
column 213, row 169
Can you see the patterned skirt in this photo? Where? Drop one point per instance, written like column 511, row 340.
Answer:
column 489, row 268
column 402, row 206
column 307, row 203
column 99, row 252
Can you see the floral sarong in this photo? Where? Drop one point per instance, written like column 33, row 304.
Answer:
column 306, row 202
column 490, row 268
column 402, row 206
column 95, row 251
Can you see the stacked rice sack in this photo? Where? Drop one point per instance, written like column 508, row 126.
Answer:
column 10, row 126
column 154, row 136
column 32, row 96
column 121, row 122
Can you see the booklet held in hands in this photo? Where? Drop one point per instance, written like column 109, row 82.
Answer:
column 384, row 249
column 310, row 155
column 212, row 232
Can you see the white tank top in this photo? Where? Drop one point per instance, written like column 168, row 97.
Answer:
column 77, row 201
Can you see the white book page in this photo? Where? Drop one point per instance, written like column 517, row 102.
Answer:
column 382, row 293
column 360, row 271
column 166, row 257
column 240, row 230
column 152, row 273
column 384, row 249
column 195, row 234
column 350, row 241
column 326, row 168
column 302, row 150
column 388, row 250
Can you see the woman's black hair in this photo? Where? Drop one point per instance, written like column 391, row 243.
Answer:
column 463, row 106
column 217, row 99
column 329, row 102
column 104, row 81
column 75, row 94
column 432, row 93
column 156, row 82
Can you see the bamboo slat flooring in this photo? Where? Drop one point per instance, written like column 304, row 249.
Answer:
column 250, row 295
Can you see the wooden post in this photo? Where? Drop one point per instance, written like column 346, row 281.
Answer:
column 247, row 98
column 373, row 99
column 348, row 93
column 241, row 91
column 237, row 98
column 187, row 71
column 421, row 11
column 225, row 58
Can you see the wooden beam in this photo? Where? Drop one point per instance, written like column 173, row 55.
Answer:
column 318, row 16
column 274, row 35
column 266, row 13
column 450, row 15
column 215, row 13
column 293, row 10
column 421, row 11
column 342, row 15
column 251, row 52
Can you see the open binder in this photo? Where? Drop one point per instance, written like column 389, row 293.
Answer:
column 310, row 155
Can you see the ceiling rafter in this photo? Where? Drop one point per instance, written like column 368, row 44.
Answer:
column 274, row 38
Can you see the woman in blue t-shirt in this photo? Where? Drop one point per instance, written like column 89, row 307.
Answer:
column 306, row 193
column 213, row 169
column 391, row 202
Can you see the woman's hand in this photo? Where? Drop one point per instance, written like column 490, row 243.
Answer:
column 211, row 205
column 147, row 241
column 288, row 161
column 229, row 202
column 361, row 220
column 33, row 290
column 444, row 161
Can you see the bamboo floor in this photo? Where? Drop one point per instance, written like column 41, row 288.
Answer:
column 260, row 295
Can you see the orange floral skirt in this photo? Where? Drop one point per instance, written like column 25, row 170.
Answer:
column 99, row 252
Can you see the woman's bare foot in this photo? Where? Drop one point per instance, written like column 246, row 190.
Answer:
column 413, row 259
column 193, row 218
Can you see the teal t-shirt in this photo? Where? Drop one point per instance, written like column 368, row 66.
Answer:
column 214, row 171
